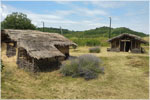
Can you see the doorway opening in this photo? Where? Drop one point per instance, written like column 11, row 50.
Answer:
column 125, row 46
column 128, row 46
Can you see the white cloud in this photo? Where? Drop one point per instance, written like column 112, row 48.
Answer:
column 58, row 17
column 89, row 12
column 63, row 2
column 79, row 10
column 108, row 4
column 91, row 18
column 63, row 12
column 38, row 18
column 6, row 10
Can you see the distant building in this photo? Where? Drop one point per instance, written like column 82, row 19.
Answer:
column 126, row 42
column 36, row 50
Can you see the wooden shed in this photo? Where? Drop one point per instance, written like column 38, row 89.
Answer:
column 126, row 42
column 37, row 50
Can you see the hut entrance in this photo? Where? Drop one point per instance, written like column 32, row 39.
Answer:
column 125, row 46
column 128, row 46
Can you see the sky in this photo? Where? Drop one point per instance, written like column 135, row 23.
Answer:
column 82, row 15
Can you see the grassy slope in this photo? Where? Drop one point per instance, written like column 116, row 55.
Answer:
column 126, row 76
column 146, row 38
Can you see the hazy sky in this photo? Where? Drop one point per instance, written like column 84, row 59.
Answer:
column 83, row 15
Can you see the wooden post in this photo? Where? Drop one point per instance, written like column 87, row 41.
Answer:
column 33, row 67
column 138, row 45
column 111, row 44
column 33, row 61
column 124, row 46
column 18, row 54
column 131, row 44
column 115, row 44
column 135, row 44
column 119, row 46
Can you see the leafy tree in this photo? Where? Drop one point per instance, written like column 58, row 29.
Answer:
column 17, row 21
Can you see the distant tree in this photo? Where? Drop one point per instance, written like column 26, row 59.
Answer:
column 17, row 21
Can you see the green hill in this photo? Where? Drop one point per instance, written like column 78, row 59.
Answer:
column 120, row 30
column 97, row 32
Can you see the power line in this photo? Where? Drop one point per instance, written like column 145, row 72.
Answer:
column 43, row 26
column 110, row 27
column 61, row 32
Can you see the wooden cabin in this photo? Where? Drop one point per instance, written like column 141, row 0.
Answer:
column 37, row 50
column 126, row 42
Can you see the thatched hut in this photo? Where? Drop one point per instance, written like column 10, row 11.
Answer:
column 38, row 50
column 126, row 42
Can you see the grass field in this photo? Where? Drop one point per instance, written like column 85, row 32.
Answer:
column 126, row 77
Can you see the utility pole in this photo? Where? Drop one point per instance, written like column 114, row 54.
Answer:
column 43, row 26
column 110, row 27
column 61, row 32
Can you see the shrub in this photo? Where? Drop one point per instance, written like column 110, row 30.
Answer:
column 94, row 50
column 87, row 66
column 69, row 67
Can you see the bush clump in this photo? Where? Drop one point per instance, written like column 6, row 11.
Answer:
column 87, row 66
column 94, row 50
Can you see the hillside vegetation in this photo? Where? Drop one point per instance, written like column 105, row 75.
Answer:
column 126, row 77
column 101, row 31
column 92, row 37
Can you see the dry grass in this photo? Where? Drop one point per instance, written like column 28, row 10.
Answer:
column 124, row 78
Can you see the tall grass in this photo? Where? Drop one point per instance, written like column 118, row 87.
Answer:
column 90, row 41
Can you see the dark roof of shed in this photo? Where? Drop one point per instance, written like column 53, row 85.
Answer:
column 129, row 35
column 39, row 44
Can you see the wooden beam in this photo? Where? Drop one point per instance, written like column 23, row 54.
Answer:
column 125, row 40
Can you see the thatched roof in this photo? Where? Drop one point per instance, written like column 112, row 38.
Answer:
column 39, row 44
column 129, row 35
